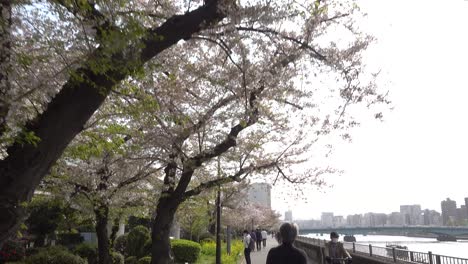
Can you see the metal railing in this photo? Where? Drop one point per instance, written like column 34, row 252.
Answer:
column 391, row 253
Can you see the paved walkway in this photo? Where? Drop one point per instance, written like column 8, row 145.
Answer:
column 259, row 257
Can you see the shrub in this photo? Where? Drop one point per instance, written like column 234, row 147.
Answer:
column 70, row 239
column 237, row 247
column 208, row 249
column 134, row 221
column 32, row 251
column 207, row 235
column 185, row 250
column 147, row 247
column 131, row 260
column 136, row 241
column 12, row 251
column 206, row 240
column 120, row 244
column 87, row 251
column 144, row 260
column 117, row 258
column 54, row 255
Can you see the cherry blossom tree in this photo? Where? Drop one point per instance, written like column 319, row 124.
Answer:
column 252, row 91
column 65, row 59
column 105, row 172
column 236, row 94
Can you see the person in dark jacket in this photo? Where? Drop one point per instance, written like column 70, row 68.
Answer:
column 258, row 241
column 287, row 253
column 254, row 237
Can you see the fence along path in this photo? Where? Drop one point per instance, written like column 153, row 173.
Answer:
column 393, row 254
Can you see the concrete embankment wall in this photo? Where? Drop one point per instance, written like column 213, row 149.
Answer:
column 315, row 255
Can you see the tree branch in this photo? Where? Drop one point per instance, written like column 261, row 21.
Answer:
column 305, row 45
column 235, row 177
column 85, row 9
column 139, row 176
column 202, row 121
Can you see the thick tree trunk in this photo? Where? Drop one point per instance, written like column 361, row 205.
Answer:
column 68, row 112
column 161, row 246
column 102, row 216
column 114, row 230
column 5, row 61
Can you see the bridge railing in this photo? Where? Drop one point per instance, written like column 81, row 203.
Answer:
column 392, row 253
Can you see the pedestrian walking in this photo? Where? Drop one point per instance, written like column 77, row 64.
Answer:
column 254, row 237
column 258, row 234
column 247, row 241
column 287, row 253
column 264, row 237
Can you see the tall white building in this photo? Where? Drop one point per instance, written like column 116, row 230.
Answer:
column 412, row 214
column 288, row 216
column 396, row 219
column 354, row 220
column 327, row 219
column 260, row 193
column 338, row 221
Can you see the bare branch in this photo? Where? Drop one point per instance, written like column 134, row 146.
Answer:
column 201, row 122
column 137, row 177
column 305, row 45
column 333, row 18
column 223, row 46
column 290, row 103
column 235, row 177
column 85, row 9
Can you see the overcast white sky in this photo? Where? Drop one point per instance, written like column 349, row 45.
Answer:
column 418, row 155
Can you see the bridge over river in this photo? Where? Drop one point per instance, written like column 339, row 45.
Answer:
column 436, row 230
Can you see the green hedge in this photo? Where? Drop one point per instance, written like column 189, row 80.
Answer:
column 117, row 258
column 87, row 251
column 185, row 250
column 120, row 244
column 54, row 255
column 136, row 241
column 131, row 260
column 144, row 260
column 207, row 240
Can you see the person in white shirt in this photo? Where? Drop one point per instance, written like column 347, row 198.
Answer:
column 247, row 240
column 264, row 237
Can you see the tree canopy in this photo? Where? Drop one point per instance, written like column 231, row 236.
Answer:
column 194, row 94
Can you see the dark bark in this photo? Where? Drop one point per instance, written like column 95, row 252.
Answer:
column 5, row 61
column 212, row 221
column 79, row 98
column 115, row 229
column 161, row 247
column 102, row 216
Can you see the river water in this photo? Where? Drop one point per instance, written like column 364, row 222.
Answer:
column 453, row 249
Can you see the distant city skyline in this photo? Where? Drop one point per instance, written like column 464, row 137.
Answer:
column 397, row 209
column 408, row 215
